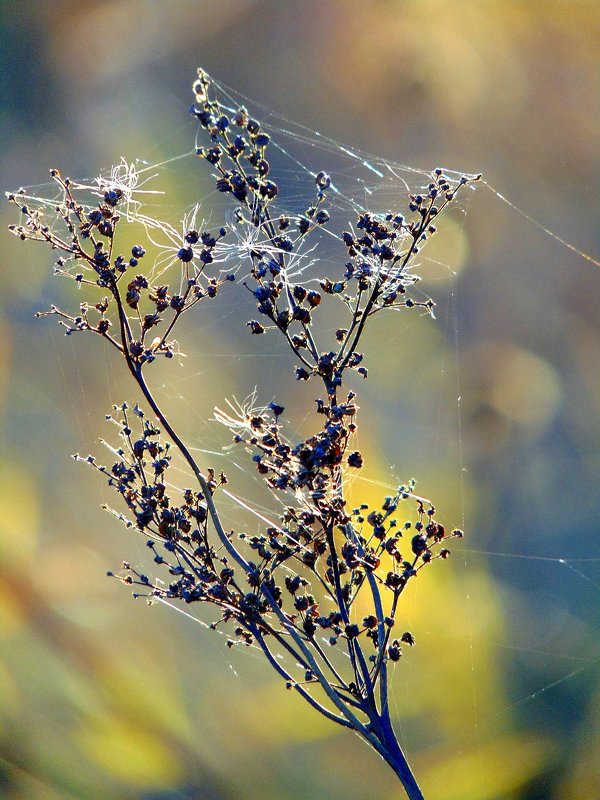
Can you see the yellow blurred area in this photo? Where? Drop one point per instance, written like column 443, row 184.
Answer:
column 499, row 769
column 448, row 251
column 10, row 699
column 20, row 520
column 460, row 638
column 134, row 753
column 13, row 614
column 516, row 384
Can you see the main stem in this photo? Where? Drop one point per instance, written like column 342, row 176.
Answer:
column 392, row 753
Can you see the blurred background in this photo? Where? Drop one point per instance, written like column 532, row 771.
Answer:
column 493, row 407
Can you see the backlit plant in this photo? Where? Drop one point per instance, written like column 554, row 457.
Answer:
column 290, row 586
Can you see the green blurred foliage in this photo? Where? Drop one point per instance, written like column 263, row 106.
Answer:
column 101, row 697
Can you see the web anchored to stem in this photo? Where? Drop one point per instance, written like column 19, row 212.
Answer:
column 290, row 588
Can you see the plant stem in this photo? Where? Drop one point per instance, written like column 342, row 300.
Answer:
column 392, row 753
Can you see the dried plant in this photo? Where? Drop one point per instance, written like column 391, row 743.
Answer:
column 291, row 586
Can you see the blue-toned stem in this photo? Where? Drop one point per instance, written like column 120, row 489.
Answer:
column 394, row 756
column 383, row 678
column 300, row 689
